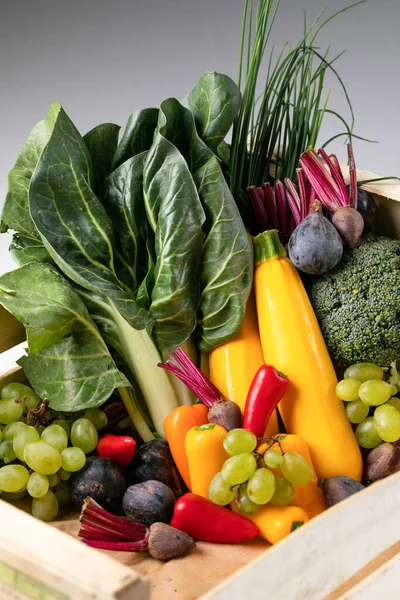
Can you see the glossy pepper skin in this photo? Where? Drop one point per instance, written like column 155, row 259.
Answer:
column 205, row 454
column 119, row 448
column 176, row 426
column 207, row 522
column 234, row 364
column 276, row 522
column 266, row 390
column 308, row 497
column 292, row 341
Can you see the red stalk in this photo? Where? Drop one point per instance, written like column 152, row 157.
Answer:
column 192, row 377
column 353, row 177
column 322, row 182
column 257, row 201
column 118, row 546
column 280, row 195
column 337, row 176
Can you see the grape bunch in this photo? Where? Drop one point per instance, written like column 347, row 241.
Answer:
column 247, row 478
column 371, row 404
column 38, row 460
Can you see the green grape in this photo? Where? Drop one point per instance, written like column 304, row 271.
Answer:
column 56, row 436
column 38, row 485
column 296, row 468
column 273, row 459
column 42, row 458
column 375, row 392
column 219, row 492
column 243, row 502
column 97, row 417
column 357, row 411
column 238, row 468
column 63, row 494
column 13, row 478
column 261, row 486
column 7, row 453
column 367, row 435
column 10, row 410
column 12, row 496
column 284, row 492
column 239, row 441
column 65, row 475
column 394, row 401
column 11, row 430
column 394, row 389
column 64, row 424
column 84, row 435
column 347, row 389
column 53, row 479
column 21, row 392
column 46, row 507
column 73, row 459
column 363, row 372
column 24, row 436
column 387, row 422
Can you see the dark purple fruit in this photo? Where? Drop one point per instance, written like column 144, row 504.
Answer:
column 101, row 479
column 227, row 414
column 149, row 502
column 154, row 460
column 339, row 488
column 349, row 223
column 315, row 246
column 382, row 462
column 368, row 208
column 166, row 542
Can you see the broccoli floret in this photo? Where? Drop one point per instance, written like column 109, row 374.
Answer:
column 358, row 303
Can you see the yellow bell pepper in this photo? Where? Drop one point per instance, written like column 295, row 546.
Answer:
column 292, row 341
column 205, row 455
column 276, row 522
column 234, row 364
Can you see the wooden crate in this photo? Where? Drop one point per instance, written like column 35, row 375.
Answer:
column 351, row 551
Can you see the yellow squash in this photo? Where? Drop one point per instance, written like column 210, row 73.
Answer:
column 234, row 364
column 292, row 341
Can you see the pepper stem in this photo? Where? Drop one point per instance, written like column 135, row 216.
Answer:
column 267, row 246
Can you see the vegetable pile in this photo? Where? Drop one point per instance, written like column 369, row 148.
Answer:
column 189, row 306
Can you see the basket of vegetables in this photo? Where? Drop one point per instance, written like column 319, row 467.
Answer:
column 210, row 381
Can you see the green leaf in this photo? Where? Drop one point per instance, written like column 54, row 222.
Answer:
column 72, row 222
column 102, row 142
column 215, row 103
column 227, row 259
column 176, row 216
column 69, row 363
column 75, row 374
column 124, row 203
column 138, row 135
column 143, row 294
column 296, row 525
column 25, row 249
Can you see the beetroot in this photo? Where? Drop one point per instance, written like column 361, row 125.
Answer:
column 349, row 223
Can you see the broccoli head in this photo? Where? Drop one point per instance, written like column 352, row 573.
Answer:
column 358, row 303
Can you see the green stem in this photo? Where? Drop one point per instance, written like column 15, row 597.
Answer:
column 267, row 246
column 139, row 423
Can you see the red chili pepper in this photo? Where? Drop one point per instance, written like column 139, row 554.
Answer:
column 207, row 522
column 120, row 448
column 266, row 390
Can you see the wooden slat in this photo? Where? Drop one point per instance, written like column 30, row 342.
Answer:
column 15, row 375
column 12, row 332
column 384, row 583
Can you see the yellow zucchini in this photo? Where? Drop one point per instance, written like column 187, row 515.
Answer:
column 293, row 343
column 234, row 364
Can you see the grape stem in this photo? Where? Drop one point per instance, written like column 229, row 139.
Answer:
column 39, row 415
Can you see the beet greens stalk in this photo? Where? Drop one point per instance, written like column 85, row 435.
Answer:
column 101, row 529
column 221, row 411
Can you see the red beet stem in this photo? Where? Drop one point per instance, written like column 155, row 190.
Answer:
column 93, row 514
column 256, row 196
column 323, row 183
column 119, row 546
column 353, row 177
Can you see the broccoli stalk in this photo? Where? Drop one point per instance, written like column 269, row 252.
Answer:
column 358, row 303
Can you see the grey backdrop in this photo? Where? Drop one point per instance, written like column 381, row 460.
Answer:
column 102, row 59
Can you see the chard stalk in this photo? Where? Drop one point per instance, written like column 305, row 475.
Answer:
column 183, row 394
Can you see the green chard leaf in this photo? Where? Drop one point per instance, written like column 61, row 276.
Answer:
column 138, row 135
column 72, row 222
column 227, row 260
column 215, row 103
column 176, row 216
column 25, row 249
column 124, row 203
column 102, row 142
column 69, row 363
column 143, row 294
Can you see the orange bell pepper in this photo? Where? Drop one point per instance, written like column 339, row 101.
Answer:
column 176, row 426
column 205, row 454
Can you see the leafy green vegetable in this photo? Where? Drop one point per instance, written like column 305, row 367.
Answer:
column 176, row 216
column 73, row 224
column 26, row 249
column 102, row 142
column 215, row 103
column 138, row 135
column 69, row 363
column 143, row 294
column 124, row 203
column 227, row 261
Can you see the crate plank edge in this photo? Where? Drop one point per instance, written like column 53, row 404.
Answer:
column 352, row 551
